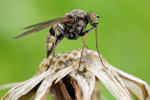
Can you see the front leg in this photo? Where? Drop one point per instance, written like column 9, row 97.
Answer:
column 86, row 32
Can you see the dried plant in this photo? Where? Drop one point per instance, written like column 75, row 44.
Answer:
column 61, row 81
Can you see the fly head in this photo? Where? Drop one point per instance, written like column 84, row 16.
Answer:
column 92, row 18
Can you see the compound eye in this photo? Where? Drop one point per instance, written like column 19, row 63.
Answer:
column 92, row 18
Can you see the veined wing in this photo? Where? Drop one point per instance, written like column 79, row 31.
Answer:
column 40, row 26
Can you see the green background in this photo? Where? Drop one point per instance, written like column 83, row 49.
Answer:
column 123, row 32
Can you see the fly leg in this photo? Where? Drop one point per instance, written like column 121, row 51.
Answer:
column 64, row 34
column 85, row 33
column 82, row 34
column 85, row 44
column 97, row 48
column 81, row 54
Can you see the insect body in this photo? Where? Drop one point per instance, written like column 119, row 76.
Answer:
column 71, row 26
column 71, row 30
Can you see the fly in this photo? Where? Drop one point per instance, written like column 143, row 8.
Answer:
column 71, row 26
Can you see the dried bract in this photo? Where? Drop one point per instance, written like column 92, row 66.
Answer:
column 62, row 81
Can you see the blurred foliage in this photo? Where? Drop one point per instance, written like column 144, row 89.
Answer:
column 124, row 35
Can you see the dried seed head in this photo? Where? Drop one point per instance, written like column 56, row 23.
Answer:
column 62, row 74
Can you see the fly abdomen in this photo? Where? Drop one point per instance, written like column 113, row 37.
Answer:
column 49, row 43
column 50, row 40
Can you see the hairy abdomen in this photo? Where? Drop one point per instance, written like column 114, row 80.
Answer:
column 50, row 40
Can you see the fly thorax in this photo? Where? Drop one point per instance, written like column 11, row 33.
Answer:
column 77, row 13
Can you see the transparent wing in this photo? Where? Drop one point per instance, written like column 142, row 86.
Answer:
column 40, row 26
